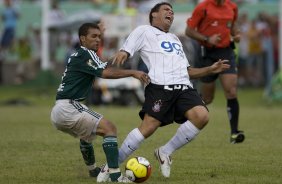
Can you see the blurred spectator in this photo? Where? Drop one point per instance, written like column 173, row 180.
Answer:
column 35, row 41
column 27, row 50
column 275, row 40
column 10, row 16
column 23, row 51
column 145, row 6
column 102, row 27
column 243, row 23
column 72, row 43
column 56, row 15
column 254, row 63
column 264, row 23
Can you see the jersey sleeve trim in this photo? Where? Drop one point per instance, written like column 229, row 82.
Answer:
column 97, row 60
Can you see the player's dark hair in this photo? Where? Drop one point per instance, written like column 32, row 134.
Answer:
column 83, row 29
column 156, row 8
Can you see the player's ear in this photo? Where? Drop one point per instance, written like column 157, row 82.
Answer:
column 154, row 14
column 82, row 39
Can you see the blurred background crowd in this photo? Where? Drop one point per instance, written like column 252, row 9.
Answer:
column 21, row 25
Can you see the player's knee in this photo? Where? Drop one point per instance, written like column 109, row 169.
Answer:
column 231, row 93
column 200, row 120
column 112, row 128
column 199, row 115
column 208, row 99
column 147, row 128
column 204, row 119
column 109, row 128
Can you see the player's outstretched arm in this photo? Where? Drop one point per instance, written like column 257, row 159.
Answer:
column 115, row 73
column 217, row 67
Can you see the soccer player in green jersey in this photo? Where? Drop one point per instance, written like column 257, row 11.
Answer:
column 71, row 116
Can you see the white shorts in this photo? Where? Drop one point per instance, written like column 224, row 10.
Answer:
column 75, row 119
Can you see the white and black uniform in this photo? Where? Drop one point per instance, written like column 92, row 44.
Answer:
column 162, row 53
column 170, row 93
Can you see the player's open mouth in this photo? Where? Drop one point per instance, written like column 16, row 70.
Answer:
column 169, row 18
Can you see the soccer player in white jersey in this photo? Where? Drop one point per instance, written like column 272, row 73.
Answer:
column 170, row 97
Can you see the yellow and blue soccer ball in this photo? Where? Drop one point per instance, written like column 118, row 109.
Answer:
column 138, row 169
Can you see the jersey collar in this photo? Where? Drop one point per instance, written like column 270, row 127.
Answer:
column 160, row 29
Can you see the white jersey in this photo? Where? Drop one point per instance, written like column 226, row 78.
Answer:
column 162, row 53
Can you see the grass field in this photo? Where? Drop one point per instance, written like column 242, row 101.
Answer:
column 33, row 152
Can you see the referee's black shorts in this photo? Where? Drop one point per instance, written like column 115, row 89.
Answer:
column 170, row 102
column 212, row 55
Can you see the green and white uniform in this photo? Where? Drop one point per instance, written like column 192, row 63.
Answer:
column 82, row 68
column 69, row 115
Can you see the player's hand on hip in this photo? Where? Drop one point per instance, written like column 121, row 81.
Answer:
column 219, row 66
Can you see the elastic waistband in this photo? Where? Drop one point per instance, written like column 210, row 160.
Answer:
column 66, row 101
column 172, row 87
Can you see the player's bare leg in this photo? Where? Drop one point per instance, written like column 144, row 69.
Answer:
column 207, row 92
column 229, row 84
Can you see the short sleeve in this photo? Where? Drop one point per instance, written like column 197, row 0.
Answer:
column 197, row 16
column 91, row 63
column 235, row 9
column 134, row 41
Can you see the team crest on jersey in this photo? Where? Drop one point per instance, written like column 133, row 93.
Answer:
column 229, row 24
column 157, row 106
column 214, row 24
column 90, row 63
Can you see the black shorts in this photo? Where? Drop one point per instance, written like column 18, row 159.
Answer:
column 169, row 103
column 212, row 55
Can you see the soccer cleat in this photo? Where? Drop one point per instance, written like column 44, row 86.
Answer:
column 165, row 162
column 94, row 172
column 122, row 179
column 104, row 174
column 237, row 137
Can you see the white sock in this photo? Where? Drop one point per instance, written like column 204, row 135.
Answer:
column 184, row 134
column 130, row 144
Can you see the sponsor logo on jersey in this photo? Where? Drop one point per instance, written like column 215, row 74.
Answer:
column 215, row 23
column 91, row 64
column 171, row 48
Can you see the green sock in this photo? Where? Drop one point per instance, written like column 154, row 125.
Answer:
column 110, row 147
column 87, row 152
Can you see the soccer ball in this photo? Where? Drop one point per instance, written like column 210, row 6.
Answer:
column 138, row 169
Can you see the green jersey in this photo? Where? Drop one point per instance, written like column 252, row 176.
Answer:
column 82, row 68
